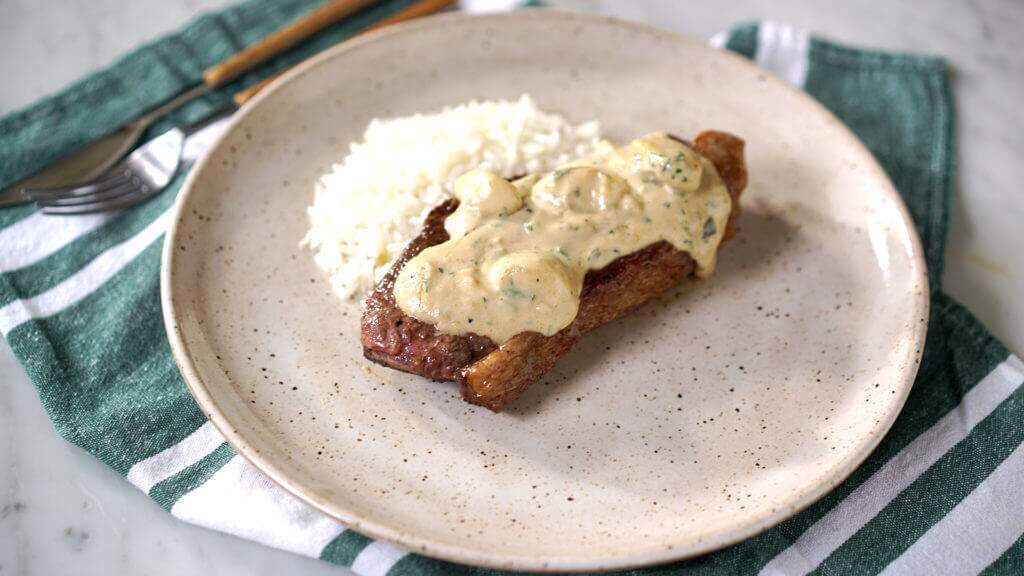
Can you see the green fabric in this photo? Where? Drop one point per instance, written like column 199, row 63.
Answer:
column 1009, row 563
column 101, row 102
column 167, row 493
column 907, row 122
column 104, row 372
column 344, row 549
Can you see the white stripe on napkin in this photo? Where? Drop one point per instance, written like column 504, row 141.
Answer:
column 783, row 50
column 35, row 237
column 85, row 281
column 874, row 494
column 378, row 558
column 720, row 40
column 240, row 500
column 163, row 465
column 976, row 532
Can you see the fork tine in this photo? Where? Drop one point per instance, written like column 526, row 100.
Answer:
column 112, row 192
column 131, row 198
column 141, row 175
column 104, row 183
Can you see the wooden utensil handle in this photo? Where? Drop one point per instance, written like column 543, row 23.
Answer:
column 281, row 40
column 243, row 96
column 422, row 8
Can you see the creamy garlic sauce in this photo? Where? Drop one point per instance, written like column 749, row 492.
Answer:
column 519, row 250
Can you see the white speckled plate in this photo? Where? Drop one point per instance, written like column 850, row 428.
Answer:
column 692, row 424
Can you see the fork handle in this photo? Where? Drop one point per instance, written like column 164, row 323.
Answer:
column 421, row 8
column 279, row 41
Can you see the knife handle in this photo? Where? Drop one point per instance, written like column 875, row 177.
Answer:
column 279, row 41
column 421, row 8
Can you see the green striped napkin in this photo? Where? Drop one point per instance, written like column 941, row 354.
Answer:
column 79, row 305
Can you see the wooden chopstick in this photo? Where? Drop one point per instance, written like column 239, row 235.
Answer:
column 421, row 8
column 279, row 41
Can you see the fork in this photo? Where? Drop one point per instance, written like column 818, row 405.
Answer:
column 150, row 168
column 139, row 176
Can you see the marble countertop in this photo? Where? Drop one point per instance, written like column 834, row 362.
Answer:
column 61, row 511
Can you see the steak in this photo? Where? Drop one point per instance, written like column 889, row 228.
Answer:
column 392, row 338
column 492, row 375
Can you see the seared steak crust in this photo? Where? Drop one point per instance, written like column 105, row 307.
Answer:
column 493, row 376
column 392, row 338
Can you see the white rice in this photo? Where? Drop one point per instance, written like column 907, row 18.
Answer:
column 373, row 203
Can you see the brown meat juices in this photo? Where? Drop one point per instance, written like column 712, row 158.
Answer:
column 493, row 376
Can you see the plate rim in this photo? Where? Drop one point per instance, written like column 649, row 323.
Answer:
column 425, row 545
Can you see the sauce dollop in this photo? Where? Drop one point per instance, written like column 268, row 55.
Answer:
column 518, row 251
